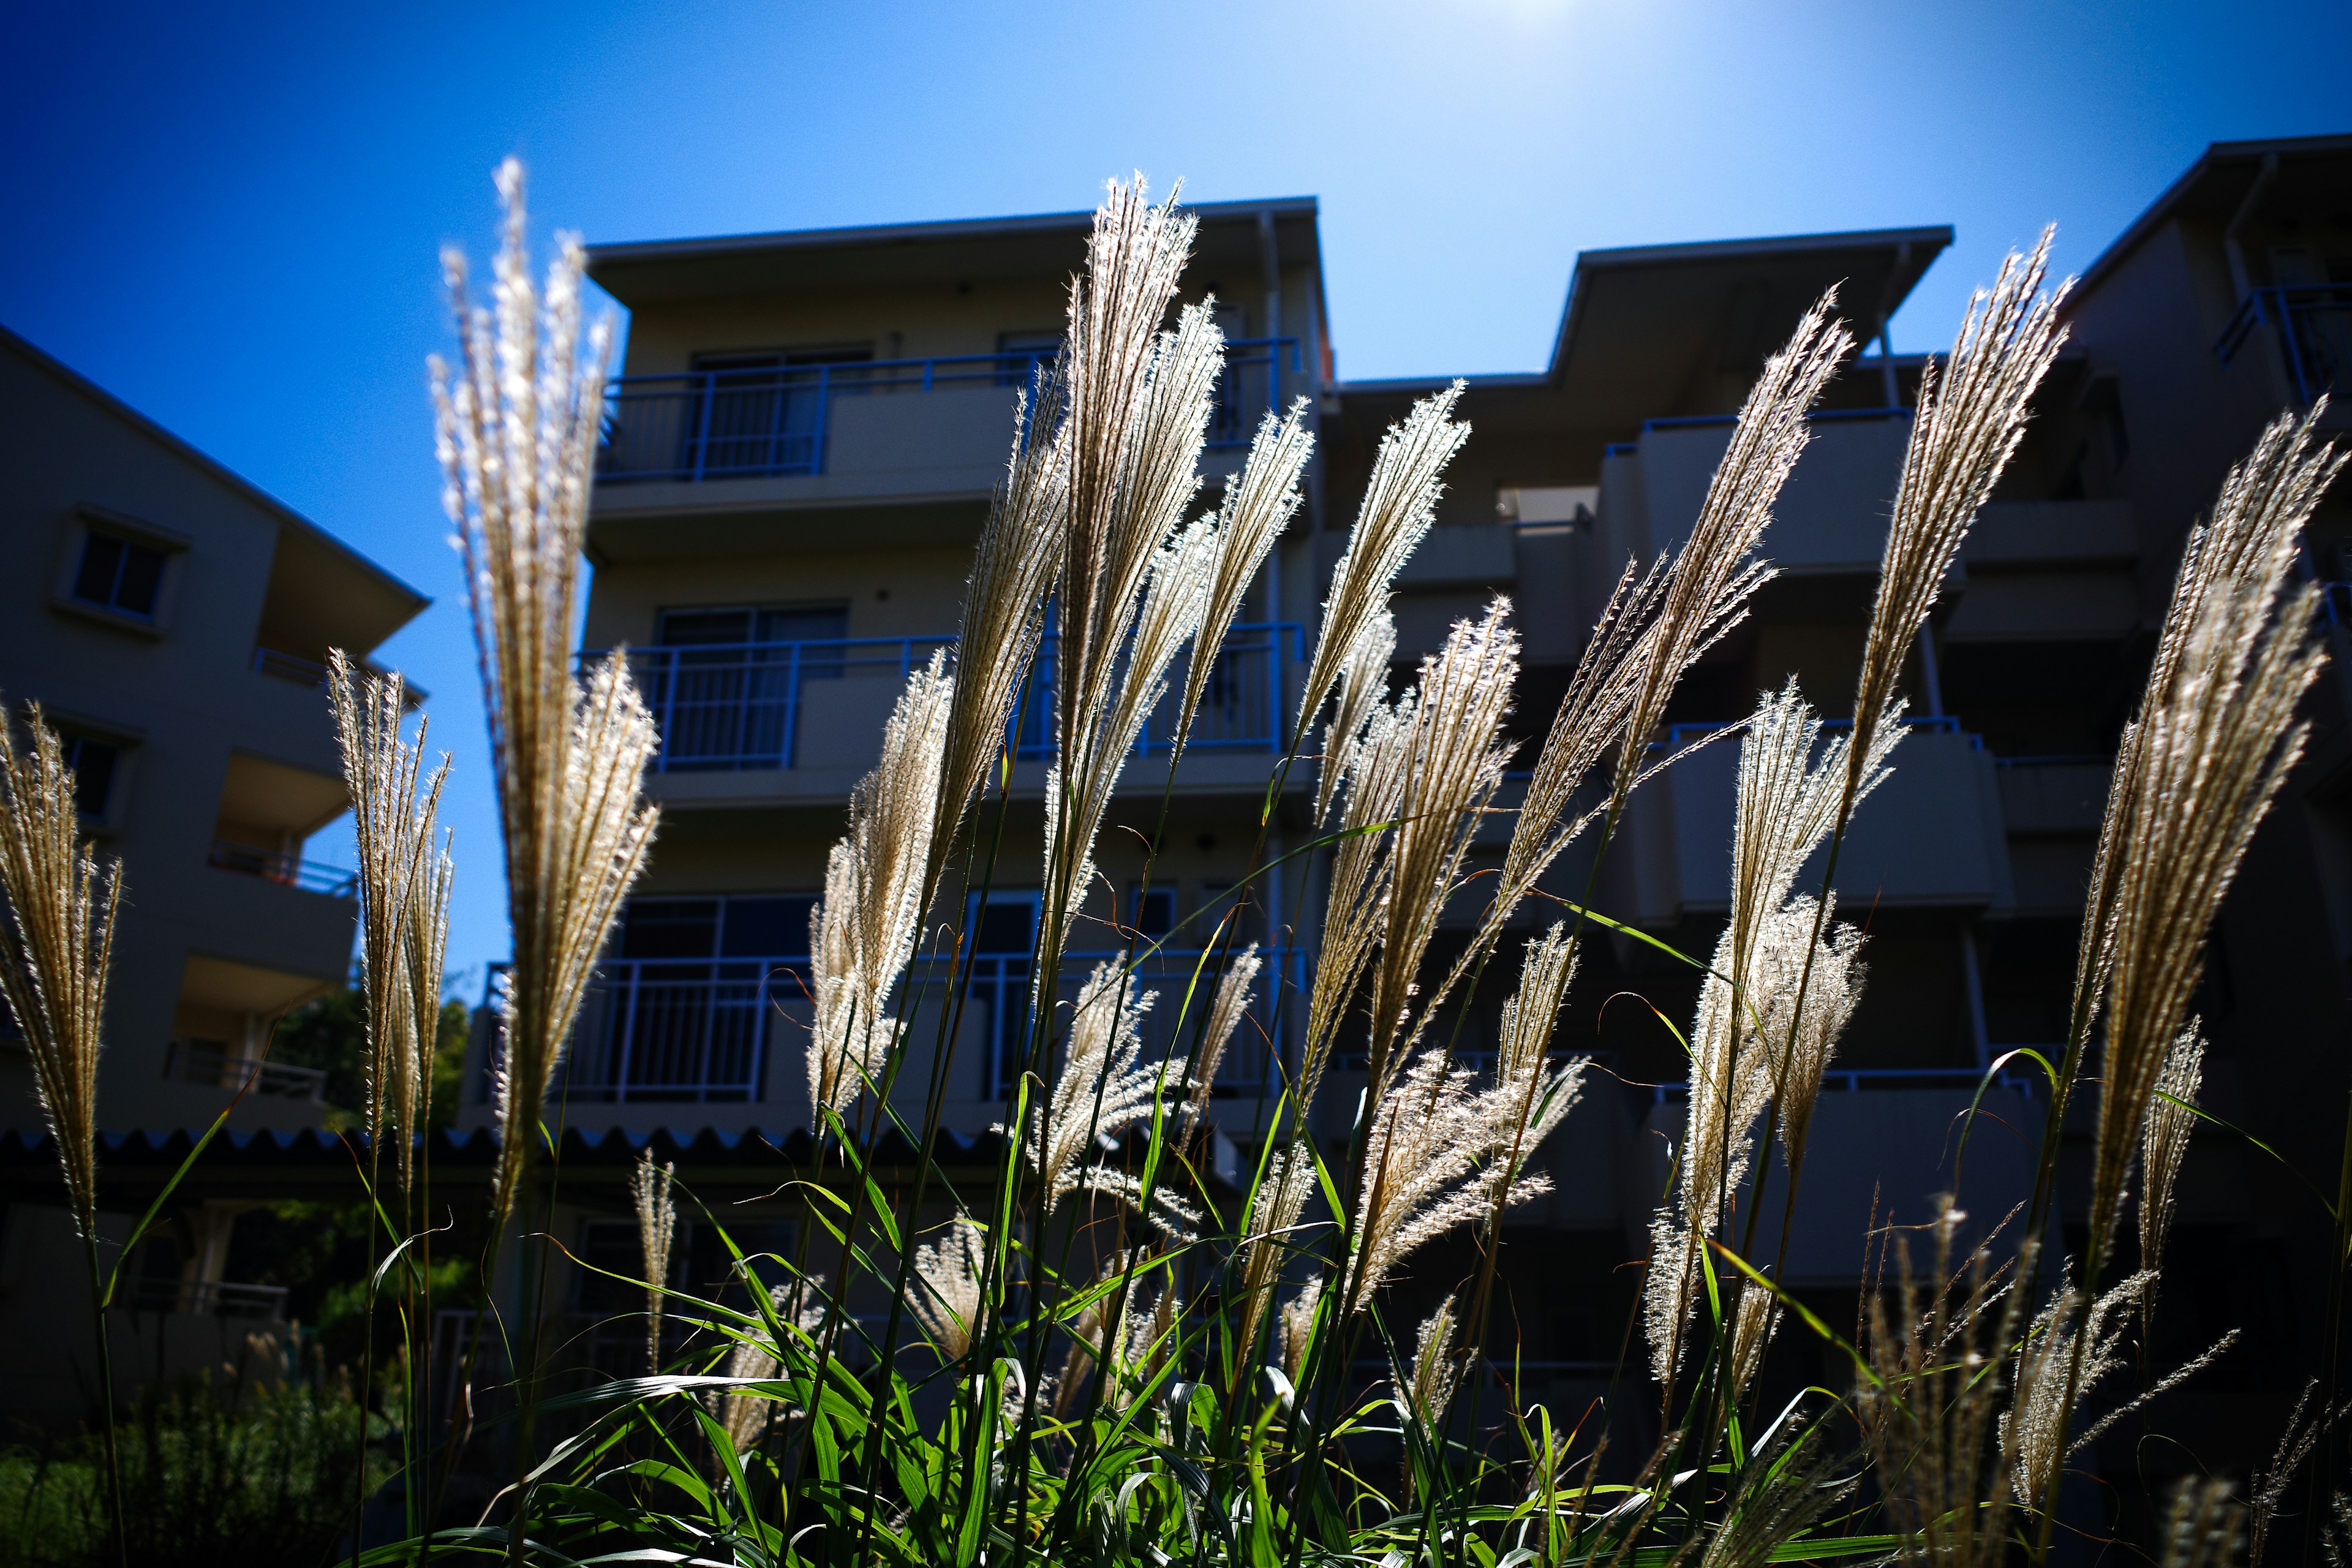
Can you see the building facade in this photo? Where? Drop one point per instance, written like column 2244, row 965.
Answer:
column 172, row 621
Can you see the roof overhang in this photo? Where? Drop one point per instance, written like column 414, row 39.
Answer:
column 2216, row 186
column 1042, row 246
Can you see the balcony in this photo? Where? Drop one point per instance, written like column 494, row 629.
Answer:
column 206, row 1066
column 1831, row 517
column 870, row 416
column 2314, row 332
column 209, row 1298
column 820, row 705
column 287, row 871
column 1931, row 835
column 699, row 1031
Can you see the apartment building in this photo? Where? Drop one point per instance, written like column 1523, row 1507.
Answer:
column 803, row 444
column 172, row 621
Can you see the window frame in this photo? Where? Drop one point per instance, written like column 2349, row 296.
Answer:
column 87, row 521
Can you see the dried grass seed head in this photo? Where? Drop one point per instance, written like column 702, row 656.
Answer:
column 1398, row 506
column 517, row 427
column 1226, row 1010
column 1965, row 429
column 946, row 1296
column 1258, row 505
column 864, row 931
column 60, row 944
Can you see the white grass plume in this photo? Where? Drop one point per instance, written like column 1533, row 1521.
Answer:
column 1457, row 761
column 946, row 1297
column 2038, row 1422
column 863, row 933
column 1963, row 434
column 425, row 953
column 1363, row 686
column 1273, row 1212
column 1531, row 1101
column 2164, row 1142
column 517, row 427
column 1400, row 504
column 393, row 824
column 60, row 942
column 649, row 1191
column 1706, row 590
column 1258, row 505
column 1013, row 570
column 1226, row 1010
column 1103, row 1090
column 2215, row 742
column 1356, row 902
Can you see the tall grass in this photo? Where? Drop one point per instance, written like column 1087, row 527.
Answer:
column 1099, row 1350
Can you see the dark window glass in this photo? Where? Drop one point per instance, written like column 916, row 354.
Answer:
column 119, row 575
column 693, row 629
column 93, row 764
column 1005, row 925
column 101, row 563
column 766, row 928
column 670, row 928
column 1153, row 910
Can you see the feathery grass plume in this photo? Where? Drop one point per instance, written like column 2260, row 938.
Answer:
column 1128, row 568
column 1259, row 504
column 392, row 824
column 1963, row 434
column 1356, row 898
column 2164, row 1143
column 1013, row 572
column 2266, row 1486
column 1456, row 765
column 1429, row 1135
column 656, row 1228
column 946, row 1300
column 2049, row 1395
column 1436, row 1370
column 1398, row 506
column 1928, row 1401
column 1533, row 1101
column 1297, row 1326
column 424, row 953
column 1363, row 686
column 1137, row 410
column 2204, row 1527
column 864, row 931
column 1103, row 1090
column 1706, row 590
column 2215, row 741
column 749, row 1417
column 1748, row 1044
column 1226, row 1010
column 1274, row 1213
column 516, row 428
column 1780, row 1492
column 61, row 912
column 1755, row 1320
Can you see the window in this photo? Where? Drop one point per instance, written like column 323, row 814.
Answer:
column 118, row 575
column 768, row 926
column 93, row 765
column 744, row 624
column 1151, row 911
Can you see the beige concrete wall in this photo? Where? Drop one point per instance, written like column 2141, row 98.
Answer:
column 181, row 698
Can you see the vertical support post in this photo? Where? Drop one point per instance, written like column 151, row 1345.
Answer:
column 791, row 703
column 1972, row 977
column 708, row 394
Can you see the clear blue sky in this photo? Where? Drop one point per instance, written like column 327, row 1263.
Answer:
column 229, row 215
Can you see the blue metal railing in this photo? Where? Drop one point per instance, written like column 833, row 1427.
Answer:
column 755, row 421
column 725, row 707
column 2314, row 333
column 1242, row 708
column 273, row 866
column 699, row 1031
column 1856, row 1080
column 730, row 706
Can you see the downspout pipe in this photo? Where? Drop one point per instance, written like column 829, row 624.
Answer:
column 2241, row 278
